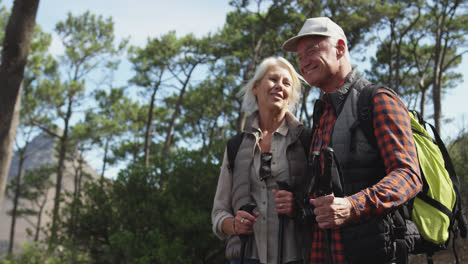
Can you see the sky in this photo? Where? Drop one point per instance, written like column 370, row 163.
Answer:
column 142, row 19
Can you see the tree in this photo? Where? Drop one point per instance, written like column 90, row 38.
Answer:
column 89, row 45
column 458, row 150
column 400, row 19
column 109, row 122
column 251, row 33
column 151, row 65
column 39, row 64
column 420, row 50
column 32, row 196
column 193, row 54
column 19, row 32
column 130, row 145
column 206, row 115
column 448, row 27
column 132, row 220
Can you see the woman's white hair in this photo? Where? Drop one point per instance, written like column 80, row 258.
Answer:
column 249, row 104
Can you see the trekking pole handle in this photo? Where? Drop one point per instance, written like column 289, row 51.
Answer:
column 325, row 186
column 282, row 185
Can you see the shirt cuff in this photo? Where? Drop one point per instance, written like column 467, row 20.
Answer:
column 355, row 212
column 218, row 228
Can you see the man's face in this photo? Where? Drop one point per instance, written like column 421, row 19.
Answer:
column 318, row 60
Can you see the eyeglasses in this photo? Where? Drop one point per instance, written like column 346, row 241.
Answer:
column 313, row 49
column 265, row 165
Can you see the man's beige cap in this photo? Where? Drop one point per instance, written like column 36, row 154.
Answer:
column 321, row 26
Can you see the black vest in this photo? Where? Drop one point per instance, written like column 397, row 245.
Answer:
column 371, row 241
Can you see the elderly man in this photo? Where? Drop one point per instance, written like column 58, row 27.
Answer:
column 377, row 179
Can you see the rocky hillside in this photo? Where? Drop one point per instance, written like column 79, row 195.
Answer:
column 41, row 151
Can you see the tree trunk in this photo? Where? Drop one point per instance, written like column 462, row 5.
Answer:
column 167, row 143
column 75, row 208
column 16, row 200
column 423, row 101
column 18, row 35
column 436, row 86
column 149, row 121
column 58, row 183
column 104, row 160
column 39, row 220
column 390, row 59
column 180, row 99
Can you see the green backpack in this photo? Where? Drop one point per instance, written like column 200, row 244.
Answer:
column 437, row 211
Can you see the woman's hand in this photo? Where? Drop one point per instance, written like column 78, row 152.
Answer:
column 284, row 201
column 243, row 222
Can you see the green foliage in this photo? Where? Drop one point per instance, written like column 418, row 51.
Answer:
column 86, row 38
column 421, row 44
column 34, row 187
column 187, row 99
column 37, row 182
column 37, row 254
column 151, row 62
column 458, row 150
column 105, row 125
column 4, row 15
column 134, row 220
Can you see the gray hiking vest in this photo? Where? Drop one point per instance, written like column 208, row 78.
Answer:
column 361, row 162
column 241, row 171
column 368, row 242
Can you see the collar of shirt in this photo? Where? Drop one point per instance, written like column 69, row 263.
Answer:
column 282, row 129
column 338, row 97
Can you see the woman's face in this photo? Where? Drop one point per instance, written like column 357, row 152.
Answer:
column 274, row 89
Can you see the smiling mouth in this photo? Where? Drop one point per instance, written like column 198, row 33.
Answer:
column 277, row 95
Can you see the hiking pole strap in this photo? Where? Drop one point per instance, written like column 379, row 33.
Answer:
column 454, row 246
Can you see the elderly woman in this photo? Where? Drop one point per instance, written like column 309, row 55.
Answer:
column 270, row 152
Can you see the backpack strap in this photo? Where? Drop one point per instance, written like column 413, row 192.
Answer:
column 366, row 112
column 233, row 145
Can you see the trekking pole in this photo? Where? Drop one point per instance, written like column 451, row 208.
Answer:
column 325, row 188
column 281, row 186
column 243, row 237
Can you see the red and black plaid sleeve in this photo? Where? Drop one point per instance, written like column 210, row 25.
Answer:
column 402, row 182
column 395, row 140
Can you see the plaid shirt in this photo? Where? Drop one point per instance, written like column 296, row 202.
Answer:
column 394, row 138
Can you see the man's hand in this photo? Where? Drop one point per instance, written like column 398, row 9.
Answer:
column 284, row 202
column 331, row 211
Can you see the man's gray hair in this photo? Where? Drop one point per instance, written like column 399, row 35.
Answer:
column 249, row 104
